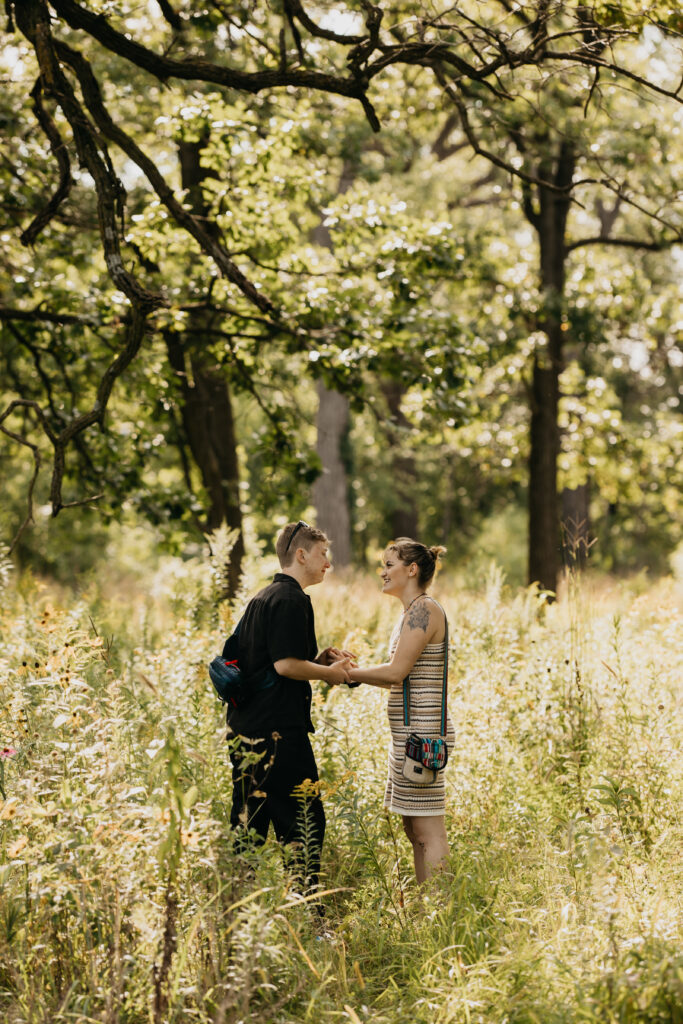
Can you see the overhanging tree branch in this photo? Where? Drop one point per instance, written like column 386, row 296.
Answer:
column 61, row 155
column 474, row 61
column 34, row 21
column 619, row 190
column 198, row 68
column 195, row 226
column 625, row 243
column 587, row 59
column 46, row 316
column 174, row 19
column 297, row 11
column 454, row 94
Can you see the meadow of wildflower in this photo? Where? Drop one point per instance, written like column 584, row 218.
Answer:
column 122, row 899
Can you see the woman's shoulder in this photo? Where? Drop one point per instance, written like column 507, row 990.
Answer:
column 425, row 613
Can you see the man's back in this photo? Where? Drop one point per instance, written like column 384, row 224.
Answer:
column 278, row 623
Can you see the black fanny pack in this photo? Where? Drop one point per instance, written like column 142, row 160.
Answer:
column 230, row 683
column 232, row 686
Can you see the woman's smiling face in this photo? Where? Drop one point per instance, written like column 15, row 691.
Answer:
column 394, row 573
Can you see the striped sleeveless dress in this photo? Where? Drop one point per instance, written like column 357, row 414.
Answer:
column 426, row 681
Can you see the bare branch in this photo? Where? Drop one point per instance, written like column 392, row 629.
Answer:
column 296, row 10
column 25, row 403
column 589, row 97
column 619, row 190
column 441, row 148
column 61, row 155
column 174, row 19
column 83, row 501
column 587, row 59
column 194, row 225
column 33, row 21
column 539, row 27
column 197, row 68
column 626, row 243
column 134, row 335
column 607, row 217
column 36, row 354
column 505, row 165
column 44, row 316
column 296, row 35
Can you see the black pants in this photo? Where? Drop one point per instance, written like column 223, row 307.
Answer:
column 280, row 788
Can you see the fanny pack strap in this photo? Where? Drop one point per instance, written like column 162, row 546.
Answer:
column 444, row 687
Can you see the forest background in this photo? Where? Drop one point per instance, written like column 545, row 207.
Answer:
column 408, row 270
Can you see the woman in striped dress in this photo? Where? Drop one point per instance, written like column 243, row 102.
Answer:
column 417, row 648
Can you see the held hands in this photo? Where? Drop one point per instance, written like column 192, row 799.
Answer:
column 332, row 654
column 340, row 663
column 338, row 671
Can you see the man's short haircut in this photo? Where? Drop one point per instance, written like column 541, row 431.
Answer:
column 287, row 544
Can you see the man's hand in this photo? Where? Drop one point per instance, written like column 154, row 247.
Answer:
column 338, row 671
column 332, row 654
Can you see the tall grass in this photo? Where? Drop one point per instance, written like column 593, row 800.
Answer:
column 123, row 900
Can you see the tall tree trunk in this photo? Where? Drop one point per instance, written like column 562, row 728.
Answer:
column 576, row 525
column 206, row 406
column 404, row 509
column 330, row 490
column 550, row 221
column 544, row 519
column 206, row 412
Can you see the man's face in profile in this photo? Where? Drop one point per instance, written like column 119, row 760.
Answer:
column 317, row 562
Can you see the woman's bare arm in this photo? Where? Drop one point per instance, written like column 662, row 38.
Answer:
column 423, row 624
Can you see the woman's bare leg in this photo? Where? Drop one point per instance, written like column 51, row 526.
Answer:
column 418, row 850
column 429, row 841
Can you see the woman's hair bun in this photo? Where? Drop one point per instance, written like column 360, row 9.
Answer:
column 426, row 559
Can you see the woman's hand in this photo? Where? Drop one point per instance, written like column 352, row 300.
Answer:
column 332, row 654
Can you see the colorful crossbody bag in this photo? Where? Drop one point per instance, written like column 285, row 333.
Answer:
column 425, row 756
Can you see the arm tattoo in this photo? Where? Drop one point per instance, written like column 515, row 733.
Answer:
column 418, row 617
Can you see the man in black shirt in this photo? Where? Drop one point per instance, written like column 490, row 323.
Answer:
column 278, row 648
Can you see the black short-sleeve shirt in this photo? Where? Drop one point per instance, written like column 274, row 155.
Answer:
column 278, row 623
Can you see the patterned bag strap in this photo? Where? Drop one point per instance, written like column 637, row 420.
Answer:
column 444, row 686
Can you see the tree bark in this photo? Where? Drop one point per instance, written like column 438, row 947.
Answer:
column 330, row 490
column 550, row 221
column 206, row 413
column 544, row 524
column 206, row 406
